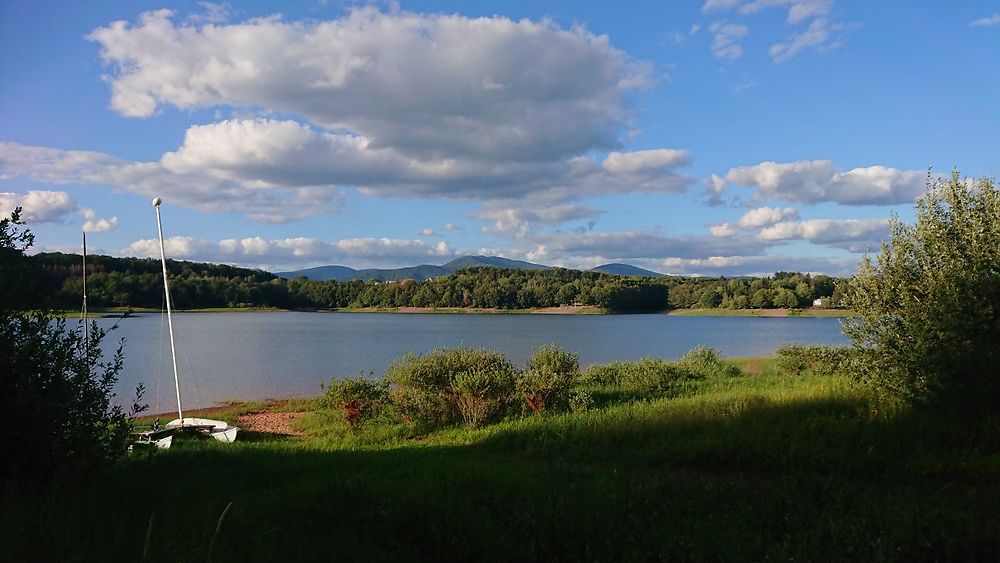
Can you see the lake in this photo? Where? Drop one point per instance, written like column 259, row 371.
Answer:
column 269, row 355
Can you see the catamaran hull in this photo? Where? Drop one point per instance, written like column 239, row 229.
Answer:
column 227, row 436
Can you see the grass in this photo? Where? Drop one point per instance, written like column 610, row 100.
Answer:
column 763, row 466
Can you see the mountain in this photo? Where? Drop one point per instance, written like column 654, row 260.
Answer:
column 422, row 272
column 626, row 270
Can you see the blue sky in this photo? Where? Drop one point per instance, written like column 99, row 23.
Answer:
column 705, row 137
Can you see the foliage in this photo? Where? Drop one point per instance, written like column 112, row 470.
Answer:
column 647, row 376
column 703, row 362
column 359, row 399
column 424, row 387
column 481, row 393
column 136, row 282
column 56, row 393
column 928, row 305
column 580, row 401
column 550, row 373
column 798, row 359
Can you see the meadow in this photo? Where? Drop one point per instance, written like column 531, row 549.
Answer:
column 764, row 463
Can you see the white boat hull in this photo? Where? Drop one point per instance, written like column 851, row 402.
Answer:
column 227, row 436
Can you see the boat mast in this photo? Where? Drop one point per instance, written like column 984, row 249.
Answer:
column 170, row 323
column 86, row 329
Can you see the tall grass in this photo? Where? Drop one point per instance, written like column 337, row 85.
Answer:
column 762, row 466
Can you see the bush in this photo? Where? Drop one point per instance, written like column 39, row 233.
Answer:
column 550, row 373
column 580, row 401
column 56, row 394
column 483, row 393
column 817, row 360
column 646, row 376
column 359, row 399
column 703, row 362
column 928, row 306
column 424, row 387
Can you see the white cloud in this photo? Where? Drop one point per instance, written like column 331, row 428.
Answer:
column 820, row 34
column 855, row 235
column 453, row 227
column 725, row 41
column 766, row 216
column 798, row 10
column 427, row 232
column 423, row 84
column 95, row 224
column 521, row 217
column 639, row 161
column 38, row 206
column 817, row 181
column 987, row 21
column 762, row 265
column 294, row 252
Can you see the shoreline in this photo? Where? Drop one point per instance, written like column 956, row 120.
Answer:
column 561, row 310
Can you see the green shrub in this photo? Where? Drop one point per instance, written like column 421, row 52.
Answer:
column 359, row 399
column 580, row 401
column 424, row 387
column 646, row 376
column 928, row 306
column 483, row 393
column 797, row 359
column 550, row 373
column 703, row 362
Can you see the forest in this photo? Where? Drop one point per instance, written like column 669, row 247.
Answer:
column 135, row 282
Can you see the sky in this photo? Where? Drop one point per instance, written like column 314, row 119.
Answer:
column 709, row 137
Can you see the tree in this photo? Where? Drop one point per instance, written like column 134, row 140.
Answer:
column 928, row 325
column 56, row 395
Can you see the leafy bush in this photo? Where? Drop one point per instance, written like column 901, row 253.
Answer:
column 705, row 362
column 646, row 376
column 550, row 373
column 580, row 401
column 818, row 360
column 482, row 393
column 56, row 394
column 359, row 399
column 928, row 324
column 424, row 387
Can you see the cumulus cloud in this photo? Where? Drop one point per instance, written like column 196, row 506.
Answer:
column 421, row 83
column 766, row 216
column 293, row 252
column 639, row 245
column 38, row 206
column 94, row 224
column 725, row 40
column 428, row 232
column 519, row 218
column 765, row 264
column 987, row 21
column 855, row 235
column 814, row 181
column 755, row 219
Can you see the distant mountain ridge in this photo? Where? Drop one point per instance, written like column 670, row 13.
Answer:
column 626, row 270
column 425, row 271
column 421, row 272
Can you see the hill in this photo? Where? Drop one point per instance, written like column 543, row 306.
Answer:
column 626, row 270
column 421, row 272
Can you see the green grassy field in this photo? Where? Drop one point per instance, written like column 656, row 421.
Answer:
column 762, row 466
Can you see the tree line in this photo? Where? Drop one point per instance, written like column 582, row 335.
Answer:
column 136, row 282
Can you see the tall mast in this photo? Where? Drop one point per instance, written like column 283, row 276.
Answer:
column 170, row 322
column 86, row 329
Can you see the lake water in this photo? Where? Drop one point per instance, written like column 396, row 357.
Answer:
column 269, row 355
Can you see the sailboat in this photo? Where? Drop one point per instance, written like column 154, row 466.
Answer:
column 220, row 430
